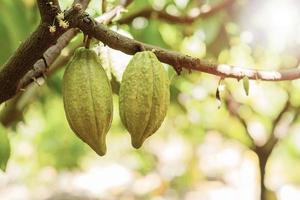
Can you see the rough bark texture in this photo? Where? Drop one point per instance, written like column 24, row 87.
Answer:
column 41, row 40
column 23, row 60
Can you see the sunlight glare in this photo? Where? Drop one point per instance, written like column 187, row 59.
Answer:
column 279, row 21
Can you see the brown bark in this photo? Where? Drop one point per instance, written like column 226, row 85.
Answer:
column 41, row 40
column 263, row 156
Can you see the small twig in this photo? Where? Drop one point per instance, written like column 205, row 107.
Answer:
column 233, row 106
column 87, row 42
column 131, row 46
column 273, row 139
column 107, row 17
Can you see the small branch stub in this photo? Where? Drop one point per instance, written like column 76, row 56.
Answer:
column 246, row 85
column 87, row 41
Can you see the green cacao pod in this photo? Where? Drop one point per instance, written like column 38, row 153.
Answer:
column 87, row 98
column 144, row 96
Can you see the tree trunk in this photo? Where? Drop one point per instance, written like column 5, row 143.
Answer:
column 265, row 194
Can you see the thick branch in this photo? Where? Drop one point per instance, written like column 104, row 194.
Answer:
column 23, row 60
column 40, row 67
column 264, row 152
column 13, row 109
column 32, row 50
column 26, row 56
column 48, row 9
column 178, row 60
column 263, row 159
column 50, row 56
column 203, row 12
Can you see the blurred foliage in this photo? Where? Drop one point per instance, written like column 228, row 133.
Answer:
column 174, row 152
column 4, row 148
column 18, row 19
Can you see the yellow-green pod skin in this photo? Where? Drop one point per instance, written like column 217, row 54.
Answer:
column 87, row 98
column 144, row 96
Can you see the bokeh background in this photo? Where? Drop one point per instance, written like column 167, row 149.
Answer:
column 201, row 152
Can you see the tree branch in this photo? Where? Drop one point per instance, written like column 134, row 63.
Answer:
column 273, row 139
column 39, row 68
column 32, row 50
column 48, row 9
column 131, row 46
column 23, row 60
column 29, row 52
column 107, row 17
column 233, row 108
column 13, row 109
column 202, row 12
column 50, row 56
column 264, row 152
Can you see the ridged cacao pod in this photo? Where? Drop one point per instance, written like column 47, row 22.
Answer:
column 87, row 98
column 144, row 96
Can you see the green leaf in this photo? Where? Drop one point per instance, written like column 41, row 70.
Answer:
column 246, row 85
column 4, row 148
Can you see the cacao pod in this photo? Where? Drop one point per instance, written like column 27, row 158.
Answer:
column 144, row 96
column 87, row 98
